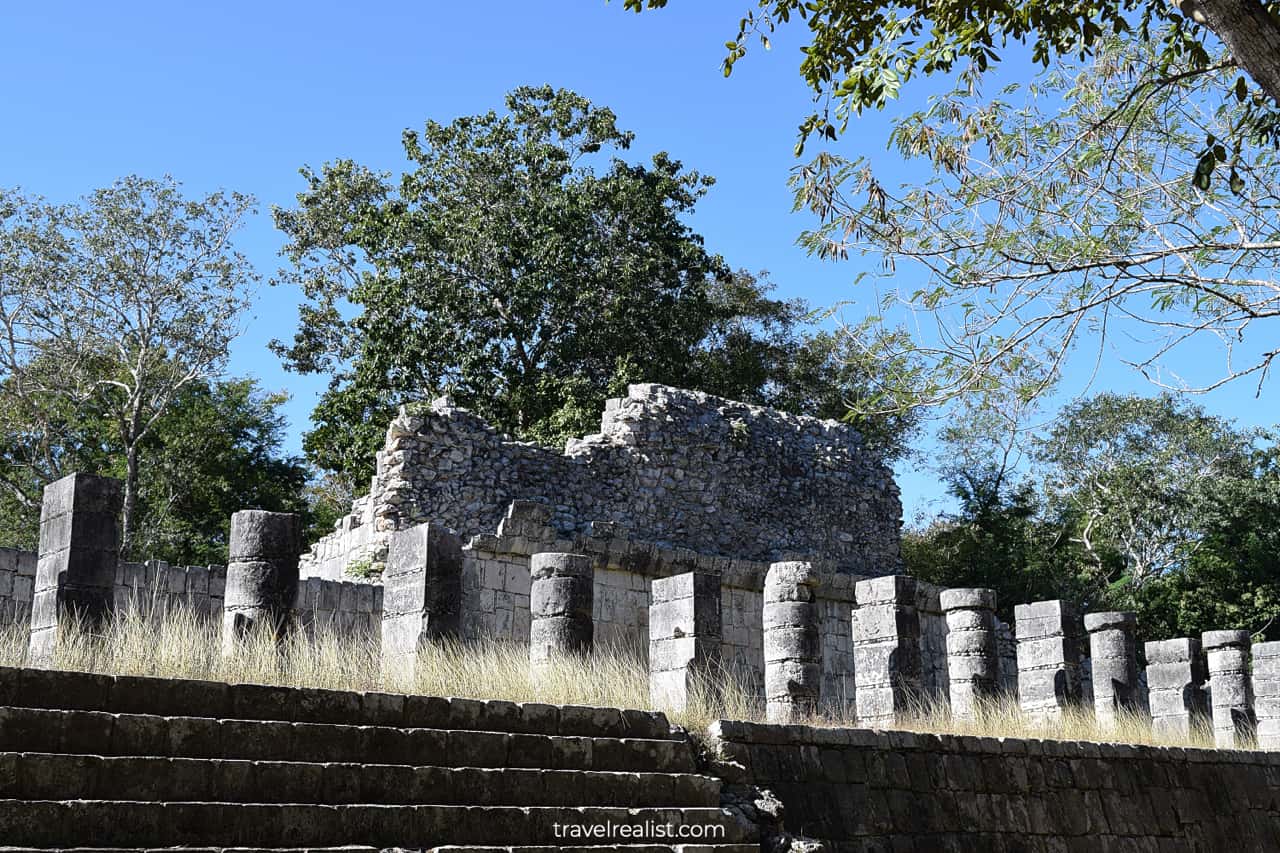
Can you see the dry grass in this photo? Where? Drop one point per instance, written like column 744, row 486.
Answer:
column 182, row 644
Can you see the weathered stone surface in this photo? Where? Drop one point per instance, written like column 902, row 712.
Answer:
column 422, row 593
column 685, row 632
column 1113, row 648
column 863, row 790
column 1231, row 694
column 79, row 550
column 1266, row 693
column 562, row 592
column 887, row 657
column 793, row 651
column 973, row 663
column 262, row 578
column 1048, row 652
column 1175, row 686
column 675, row 466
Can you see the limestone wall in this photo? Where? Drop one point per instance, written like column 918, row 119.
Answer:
column 676, row 468
column 864, row 790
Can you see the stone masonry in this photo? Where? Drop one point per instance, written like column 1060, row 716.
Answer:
column 1230, row 692
column 676, row 468
column 79, row 552
column 1113, row 647
column 1175, row 686
column 262, row 576
column 887, row 654
column 684, row 638
column 1048, row 653
column 973, row 656
column 792, row 651
column 560, row 601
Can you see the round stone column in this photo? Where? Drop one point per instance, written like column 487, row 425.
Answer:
column 792, row 645
column 1113, row 650
column 1229, row 688
column 561, row 597
column 262, row 573
column 973, row 656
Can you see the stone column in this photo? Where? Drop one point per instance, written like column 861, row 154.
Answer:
column 1228, row 656
column 79, row 550
column 792, row 645
column 886, row 650
column 973, row 658
column 1266, row 693
column 262, row 575
column 684, row 638
column 421, row 594
column 561, row 596
column 1175, row 686
column 1048, row 651
column 1113, row 650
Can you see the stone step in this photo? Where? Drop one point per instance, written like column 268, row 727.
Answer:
column 123, row 823
column 46, row 776
column 100, row 733
column 168, row 697
column 628, row 848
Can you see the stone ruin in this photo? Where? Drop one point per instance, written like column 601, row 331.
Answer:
column 811, row 624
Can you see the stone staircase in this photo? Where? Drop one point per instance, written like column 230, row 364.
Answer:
column 123, row 763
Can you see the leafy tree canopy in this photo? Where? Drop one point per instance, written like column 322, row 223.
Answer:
column 216, row 450
column 526, row 269
column 859, row 55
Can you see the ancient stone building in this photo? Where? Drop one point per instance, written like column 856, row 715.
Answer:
column 675, row 480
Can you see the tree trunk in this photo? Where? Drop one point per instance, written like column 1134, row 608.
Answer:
column 130, row 501
column 1251, row 34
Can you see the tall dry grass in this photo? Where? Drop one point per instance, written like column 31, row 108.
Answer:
column 183, row 644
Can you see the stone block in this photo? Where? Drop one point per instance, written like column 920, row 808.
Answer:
column 1231, row 694
column 262, row 578
column 973, row 663
column 1114, row 655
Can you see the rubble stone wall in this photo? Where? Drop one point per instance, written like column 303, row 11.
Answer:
column 673, row 467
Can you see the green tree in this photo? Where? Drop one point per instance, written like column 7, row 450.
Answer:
column 859, row 55
column 1125, row 192
column 520, row 270
column 111, row 308
column 216, row 450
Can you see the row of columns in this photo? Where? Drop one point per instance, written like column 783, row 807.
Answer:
column 79, row 550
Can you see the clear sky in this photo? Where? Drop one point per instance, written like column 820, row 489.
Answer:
column 240, row 95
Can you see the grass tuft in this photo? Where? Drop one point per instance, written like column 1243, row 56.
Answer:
column 180, row 643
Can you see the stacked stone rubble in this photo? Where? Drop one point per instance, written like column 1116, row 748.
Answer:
column 792, row 645
column 684, row 639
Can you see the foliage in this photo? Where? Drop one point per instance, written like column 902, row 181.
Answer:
column 1144, row 504
column 215, row 451
column 1058, row 214
column 522, row 273
column 111, row 308
column 860, row 55
column 364, row 569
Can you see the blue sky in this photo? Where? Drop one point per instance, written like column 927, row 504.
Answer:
column 241, row 95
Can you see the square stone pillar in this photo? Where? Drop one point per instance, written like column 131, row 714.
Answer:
column 886, row 650
column 1175, row 687
column 684, row 638
column 1232, row 696
column 1266, row 693
column 79, row 550
column 1048, row 651
column 421, row 594
column 792, row 643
